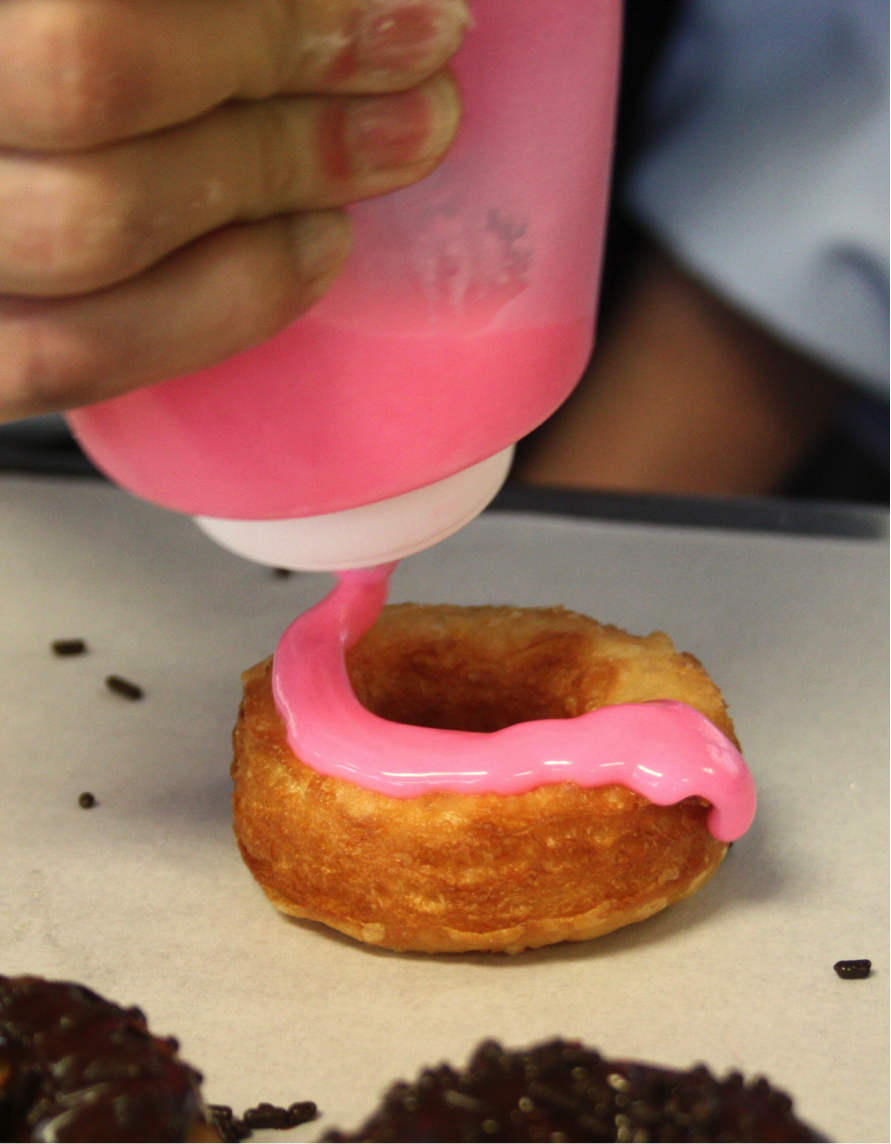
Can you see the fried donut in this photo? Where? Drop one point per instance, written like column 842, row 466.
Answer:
column 74, row 1066
column 563, row 1091
column 443, row 872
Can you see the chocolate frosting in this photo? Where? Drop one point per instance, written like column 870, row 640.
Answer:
column 74, row 1066
column 562, row 1091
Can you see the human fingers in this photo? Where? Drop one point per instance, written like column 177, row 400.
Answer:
column 80, row 222
column 81, row 73
column 230, row 290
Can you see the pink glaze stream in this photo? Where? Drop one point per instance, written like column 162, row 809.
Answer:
column 663, row 750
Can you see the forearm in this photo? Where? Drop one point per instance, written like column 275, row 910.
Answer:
column 683, row 395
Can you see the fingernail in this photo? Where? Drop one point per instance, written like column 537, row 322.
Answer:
column 409, row 127
column 321, row 242
column 409, row 36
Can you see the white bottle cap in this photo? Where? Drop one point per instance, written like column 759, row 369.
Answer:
column 370, row 534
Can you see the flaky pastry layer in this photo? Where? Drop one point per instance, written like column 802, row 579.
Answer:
column 444, row 872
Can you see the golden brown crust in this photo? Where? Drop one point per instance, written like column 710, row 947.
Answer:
column 449, row 873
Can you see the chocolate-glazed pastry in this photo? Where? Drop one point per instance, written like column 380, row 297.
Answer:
column 74, row 1066
column 562, row 1091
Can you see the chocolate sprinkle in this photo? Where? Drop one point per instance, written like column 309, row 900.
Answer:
column 267, row 1116
column 301, row 1112
column 124, row 687
column 86, row 800
column 562, row 1091
column 853, row 970
column 68, row 647
column 281, row 573
column 233, row 1128
column 228, row 1128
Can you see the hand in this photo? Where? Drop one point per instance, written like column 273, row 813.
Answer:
column 171, row 173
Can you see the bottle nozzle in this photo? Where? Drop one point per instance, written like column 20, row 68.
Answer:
column 370, row 534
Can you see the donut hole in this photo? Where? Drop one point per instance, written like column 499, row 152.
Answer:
column 478, row 673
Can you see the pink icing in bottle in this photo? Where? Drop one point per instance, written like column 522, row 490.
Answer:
column 664, row 750
column 462, row 320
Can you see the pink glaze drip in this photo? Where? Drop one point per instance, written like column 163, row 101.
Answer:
column 663, row 750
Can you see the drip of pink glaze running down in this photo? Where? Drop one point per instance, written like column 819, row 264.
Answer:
column 663, row 750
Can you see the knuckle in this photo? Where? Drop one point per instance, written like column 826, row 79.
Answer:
column 77, row 232
column 81, row 82
column 45, row 366
column 281, row 155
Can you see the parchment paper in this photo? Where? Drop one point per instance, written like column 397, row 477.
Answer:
column 145, row 898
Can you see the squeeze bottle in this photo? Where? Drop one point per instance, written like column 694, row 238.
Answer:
column 384, row 419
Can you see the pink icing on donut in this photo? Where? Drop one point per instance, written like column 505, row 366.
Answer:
column 663, row 750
